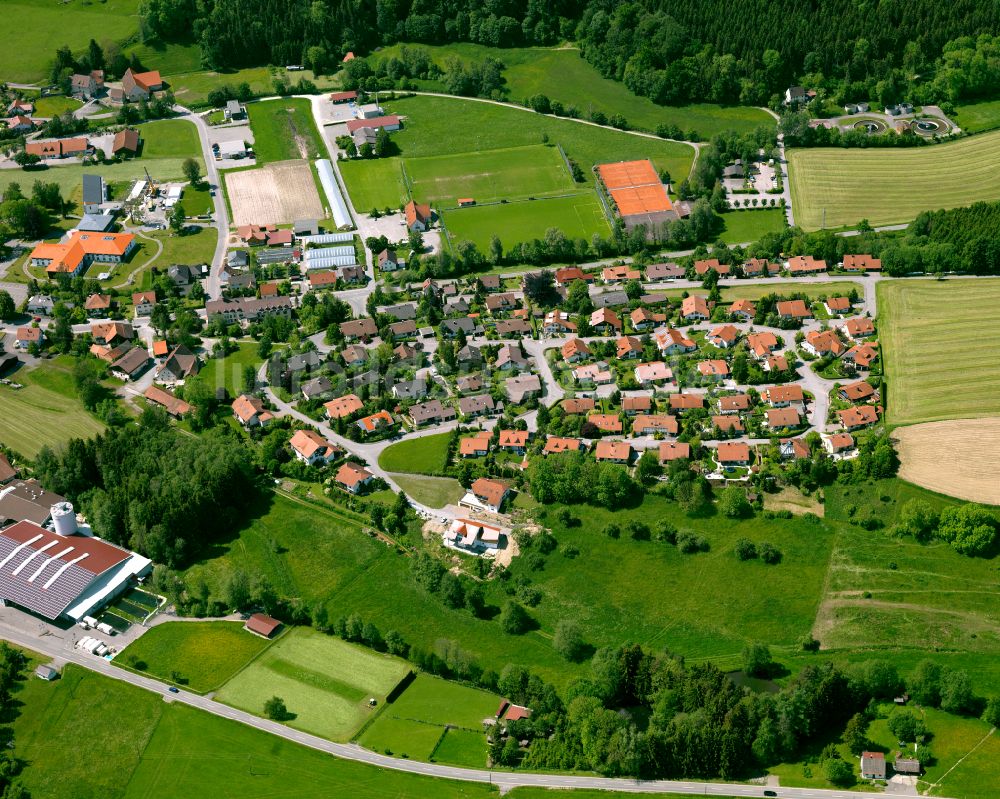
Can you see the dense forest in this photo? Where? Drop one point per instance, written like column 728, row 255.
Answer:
column 688, row 50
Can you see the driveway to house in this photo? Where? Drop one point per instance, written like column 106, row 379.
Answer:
column 20, row 630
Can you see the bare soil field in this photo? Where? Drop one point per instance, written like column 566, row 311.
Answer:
column 956, row 457
column 276, row 194
column 791, row 499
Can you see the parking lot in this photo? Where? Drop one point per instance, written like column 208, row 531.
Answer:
column 225, row 133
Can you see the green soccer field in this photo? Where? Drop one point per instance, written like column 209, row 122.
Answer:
column 579, row 216
column 489, row 176
column 937, row 341
column 325, row 682
column 836, row 187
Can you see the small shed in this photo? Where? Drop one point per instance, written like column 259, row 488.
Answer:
column 906, row 765
column 465, row 202
column 47, row 673
column 263, row 625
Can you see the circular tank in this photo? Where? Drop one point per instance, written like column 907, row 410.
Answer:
column 64, row 518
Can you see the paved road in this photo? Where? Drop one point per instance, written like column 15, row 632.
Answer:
column 59, row 649
column 213, row 286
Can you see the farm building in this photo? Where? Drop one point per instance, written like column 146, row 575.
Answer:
column 261, row 624
column 59, row 573
column 638, row 193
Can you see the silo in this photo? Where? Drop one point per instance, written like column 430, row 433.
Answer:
column 63, row 518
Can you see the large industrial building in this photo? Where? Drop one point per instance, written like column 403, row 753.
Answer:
column 52, row 567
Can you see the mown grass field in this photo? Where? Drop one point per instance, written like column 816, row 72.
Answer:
column 579, row 216
column 53, row 105
column 203, row 654
column 744, row 226
column 416, row 723
column 376, row 183
column 894, row 185
column 937, row 337
column 423, row 455
column 563, row 75
column 752, row 290
column 191, row 248
column 325, row 682
column 27, row 43
column 488, row 176
column 283, row 130
column 434, row 492
column 171, row 138
column 228, row 372
column 977, row 117
column 46, row 412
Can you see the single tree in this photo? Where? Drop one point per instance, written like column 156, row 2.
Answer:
column 192, row 171
column 274, row 709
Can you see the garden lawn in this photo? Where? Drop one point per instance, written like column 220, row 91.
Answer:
column 489, row 176
column 191, row 248
column 171, row 138
column 435, row 492
column 423, row 455
column 978, row 117
column 578, row 216
column 228, row 372
column 935, row 336
column 325, row 682
column 563, row 75
column 46, row 412
column 203, row 654
column 27, row 42
column 375, row 183
column 449, row 125
column 54, row 105
column 748, row 226
column 886, row 186
column 283, row 130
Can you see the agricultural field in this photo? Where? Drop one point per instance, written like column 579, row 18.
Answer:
column 278, row 193
column 748, row 226
column 969, row 448
column 420, row 455
column 489, row 176
column 201, row 656
column 375, row 183
column 27, row 47
column 978, row 117
column 46, row 412
column 937, row 339
column 434, row 719
column 434, row 492
column 563, row 75
column 578, row 216
column 325, row 682
column 886, row 186
column 284, row 129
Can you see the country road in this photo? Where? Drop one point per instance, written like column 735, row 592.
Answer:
column 61, row 650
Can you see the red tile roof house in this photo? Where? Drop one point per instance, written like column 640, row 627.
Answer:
column 856, row 392
column 778, row 418
column 743, row 309
column 342, row 407
column 644, row 319
column 637, row 404
column 613, row 452
column 418, row 216
column 837, row 305
column 858, row 417
column 672, row 342
column 861, row 355
column 686, row 402
column 605, row 321
column 805, row 265
column 486, row 494
column 783, row 396
column 606, row 422
column 794, row 448
column 823, row 342
column 734, row 403
column 568, row 274
column 140, row 85
column 262, row 625
column 616, row 274
column 728, row 424
column 694, row 309
column 762, row 344
column 376, row 421
column 793, row 309
column 353, row 478
column 775, row 363
column 649, row 424
column 673, row 451
column 555, row 445
column 858, row 328
column 861, row 263
column 713, row 370
column 628, row 347
column 759, row 266
column 839, row 442
column 724, row 336
column 475, row 446
column 575, row 350
column 250, row 412
column 26, row 336
column 733, row 453
column 702, row 267
column 515, row 441
column 576, row 405
column 310, row 447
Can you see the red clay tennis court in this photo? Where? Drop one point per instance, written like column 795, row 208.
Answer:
column 635, row 187
column 625, row 174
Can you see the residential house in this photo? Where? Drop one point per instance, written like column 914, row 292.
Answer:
column 734, row 403
column 97, row 305
column 858, row 392
column 872, row 766
column 407, row 329
column 132, row 364
column 861, row 356
column 310, row 447
column 179, row 365
column 762, row 344
column 743, row 310
column 610, row 299
column 628, row 348
column 837, row 305
column 793, row 309
column 354, row 355
column 860, row 327
column 26, row 336
column 805, row 265
column 111, row 333
column 554, row 445
column 126, row 142
column 617, row 274
column 784, row 396
column 577, row 405
column 658, row 272
column 355, row 329
column 316, row 387
column 41, row 304
column 498, row 304
column 733, row 453
column 174, row 406
column 775, row 363
column 728, row 425
column 653, row 372
column 475, row 406
column 388, row 261
column 510, row 357
column 822, row 343
column 353, row 478
column 304, row 362
column 468, row 384
column 686, row 402
column 702, row 267
column 234, row 110
column 613, row 452
column 793, row 448
column 724, row 337
column 557, row 323
column 605, row 322
column 465, row 324
column 515, row 441
column 644, row 319
column 140, row 85
column 637, row 403
column 514, row 328
column 473, row 536
column 575, row 350
column 410, row 389
column 673, row 451
column 343, row 407
column 375, row 422
column 405, row 353
column 475, row 446
column 250, row 411
column 672, row 342
column 457, row 305
column 143, row 302
column 490, row 282
column 429, row 412
column 418, row 216
column 567, row 274
column 650, row 424
column 755, row 267
column 713, row 370
column 694, row 308
column 606, row 422
column 87, row 85
column 778, row 418
column 596, row 373
column 522, row 387
column 322, row 278
column 858, row 417
column 861, row 263
column 838, row 443
column 486, row 494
